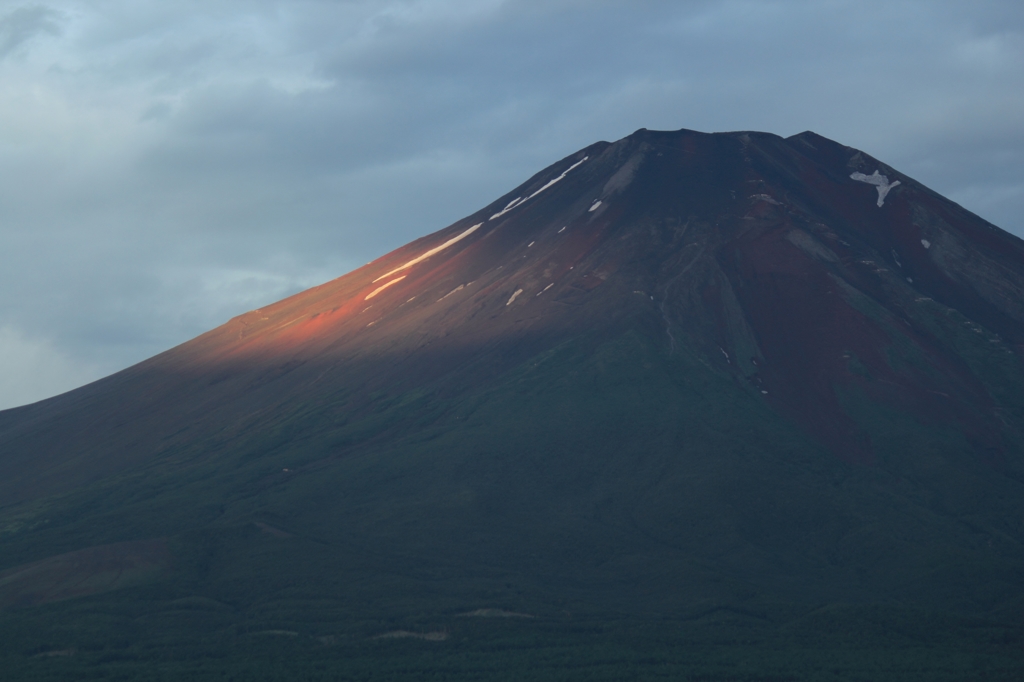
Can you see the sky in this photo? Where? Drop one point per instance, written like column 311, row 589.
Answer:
column 165, row 166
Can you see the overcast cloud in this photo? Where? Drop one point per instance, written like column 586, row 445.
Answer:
column 166, row 166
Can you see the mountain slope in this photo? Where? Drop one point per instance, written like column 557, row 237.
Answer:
column 678, row 373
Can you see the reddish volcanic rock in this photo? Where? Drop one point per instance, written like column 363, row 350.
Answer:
column 767, row 300
column 762, row 250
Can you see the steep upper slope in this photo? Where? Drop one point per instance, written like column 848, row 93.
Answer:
column 679, row 369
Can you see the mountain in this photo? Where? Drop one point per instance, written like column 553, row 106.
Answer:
column 679, row 378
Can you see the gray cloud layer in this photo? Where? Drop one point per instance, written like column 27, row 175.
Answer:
column 164, row 166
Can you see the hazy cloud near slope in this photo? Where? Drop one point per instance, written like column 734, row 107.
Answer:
column 164, row 166
column 33, row 368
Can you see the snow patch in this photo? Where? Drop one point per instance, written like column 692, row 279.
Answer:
column 766, row 197
column 926, row 244
column 880, row 181
column 542, row 290
column 595, row 206
column 530, row 244
column 562, row 230
column 518, row 291
column 515, row 203
column 512, row 204
column 431, row 252
column 383, row 287
column 453, row 291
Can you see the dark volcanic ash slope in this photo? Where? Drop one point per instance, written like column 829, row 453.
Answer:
column 675, row 369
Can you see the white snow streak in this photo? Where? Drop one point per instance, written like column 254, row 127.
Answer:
column 594, row 207
column 518, row 291
column 430, row 253
column 515, row 203
column 453, row 291
column 562, row 230
column 383, row 287
column 545, row 288
column 880, row 181
column 766, row 197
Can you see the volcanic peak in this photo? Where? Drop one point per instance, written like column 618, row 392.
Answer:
column 764, row 256
column 687, row 368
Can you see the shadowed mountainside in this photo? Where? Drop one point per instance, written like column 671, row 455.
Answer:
column 678, row 373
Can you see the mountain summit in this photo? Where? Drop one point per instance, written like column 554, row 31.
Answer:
column 672, row 374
